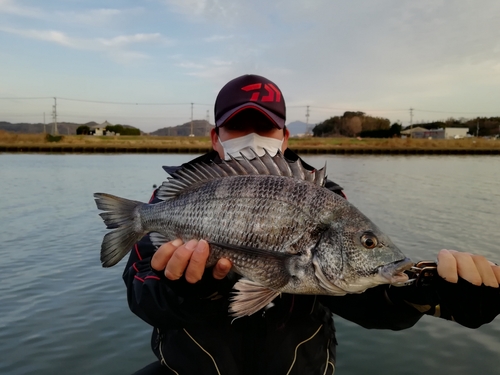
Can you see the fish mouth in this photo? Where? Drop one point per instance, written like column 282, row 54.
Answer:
column 394, row 272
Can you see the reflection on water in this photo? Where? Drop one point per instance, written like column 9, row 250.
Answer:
column 60, row 312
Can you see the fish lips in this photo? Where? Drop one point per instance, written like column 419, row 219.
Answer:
column 394, row 272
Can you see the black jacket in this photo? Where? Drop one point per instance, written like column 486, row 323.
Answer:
column 193, row 333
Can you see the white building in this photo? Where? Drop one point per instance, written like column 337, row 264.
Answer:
column 447, row 133
column 101, row 129
column 441, row 133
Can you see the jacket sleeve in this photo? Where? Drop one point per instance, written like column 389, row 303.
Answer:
column 462, row 302
column 373, row 309
column 398, row 308
column 166, row 303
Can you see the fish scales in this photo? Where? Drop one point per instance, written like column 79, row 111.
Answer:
column 229, row 209
column 280, row 228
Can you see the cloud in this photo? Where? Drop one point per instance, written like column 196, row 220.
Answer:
column 45, row 35
column 100, row 16
column 124, row 40
column 190, row 65
column 86, row 17
column 11, row 7
column 217, row 38
column 114, row 47
column 210, row 68
column 208, row 10
column 213, row 72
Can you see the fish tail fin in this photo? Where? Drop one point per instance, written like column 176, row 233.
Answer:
column 121, row 215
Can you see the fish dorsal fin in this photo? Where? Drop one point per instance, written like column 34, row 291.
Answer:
column 192, row 174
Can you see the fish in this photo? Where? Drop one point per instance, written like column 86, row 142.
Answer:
column 283, row 231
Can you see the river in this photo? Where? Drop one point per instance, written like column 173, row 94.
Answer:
column 60, row 312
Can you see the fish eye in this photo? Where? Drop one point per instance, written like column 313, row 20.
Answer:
column 369, row 240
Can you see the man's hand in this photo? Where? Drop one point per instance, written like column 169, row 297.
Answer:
column 176, row 258
column 475, row 269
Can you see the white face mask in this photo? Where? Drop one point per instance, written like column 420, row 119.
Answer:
column 249, row 142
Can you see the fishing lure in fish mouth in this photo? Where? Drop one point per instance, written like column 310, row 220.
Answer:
column 422, row 273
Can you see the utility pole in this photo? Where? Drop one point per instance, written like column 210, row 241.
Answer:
column 44, row 131
column 477, row 129
column 207, row 125
column 307, row 121
column 54, row 116
column 411, row 122
column 191, row 135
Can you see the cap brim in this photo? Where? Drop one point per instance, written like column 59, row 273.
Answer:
column 278, row 121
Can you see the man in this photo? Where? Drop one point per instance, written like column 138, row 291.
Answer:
column 171, row 289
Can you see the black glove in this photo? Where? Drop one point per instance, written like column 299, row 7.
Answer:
column 463, row 302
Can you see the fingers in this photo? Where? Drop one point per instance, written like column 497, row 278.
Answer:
column 163, row 254
column 189, row 259
column 447, row 266
column 467, row 268
column 486, row 272
column 222, row 268
column 179, row 260
column 476, row 269
column 496, row 271
column 197, row 262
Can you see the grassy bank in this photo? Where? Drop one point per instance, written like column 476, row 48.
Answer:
column 80, row 143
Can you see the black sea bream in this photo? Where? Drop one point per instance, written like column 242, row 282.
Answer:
column 273, row 219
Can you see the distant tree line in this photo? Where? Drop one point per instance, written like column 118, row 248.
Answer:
column 83, row 130
column 117, row 129
column 352, row 124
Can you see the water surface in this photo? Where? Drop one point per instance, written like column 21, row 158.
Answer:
column 60, row 312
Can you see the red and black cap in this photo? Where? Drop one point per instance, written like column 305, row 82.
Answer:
column 250, row 92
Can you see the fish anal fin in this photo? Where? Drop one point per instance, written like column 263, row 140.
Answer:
column 250, row 297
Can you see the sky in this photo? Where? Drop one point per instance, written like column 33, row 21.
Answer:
column 143, row 63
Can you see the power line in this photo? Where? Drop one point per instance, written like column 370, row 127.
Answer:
column 68, row 114
column 391, row 110
column 346, row 109
column 33, row 98
column 463, row 113
column 54, row 116
column 101, row 101
column 128, row 103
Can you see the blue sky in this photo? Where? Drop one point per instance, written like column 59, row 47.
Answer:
column 441, row 58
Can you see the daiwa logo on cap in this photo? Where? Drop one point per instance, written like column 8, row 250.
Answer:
column 273, row 94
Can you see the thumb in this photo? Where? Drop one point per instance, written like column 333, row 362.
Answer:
column 222, row 268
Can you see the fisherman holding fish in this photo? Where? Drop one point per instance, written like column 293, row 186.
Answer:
column 267, row 250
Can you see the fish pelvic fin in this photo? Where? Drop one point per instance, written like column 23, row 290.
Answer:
column 250, row 297
column 121, row 215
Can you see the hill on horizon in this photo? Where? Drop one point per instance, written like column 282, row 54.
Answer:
column 298, row 128
column 63, row 128
column 201, row 128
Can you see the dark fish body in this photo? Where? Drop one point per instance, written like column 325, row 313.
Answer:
column 280, row 228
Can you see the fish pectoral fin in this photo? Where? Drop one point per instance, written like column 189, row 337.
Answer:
column 158, row 239
column 250, row 297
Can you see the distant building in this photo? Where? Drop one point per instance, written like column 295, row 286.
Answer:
column 97, row 130
column 441, row 133
column 100, row 129
column 416, row 132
